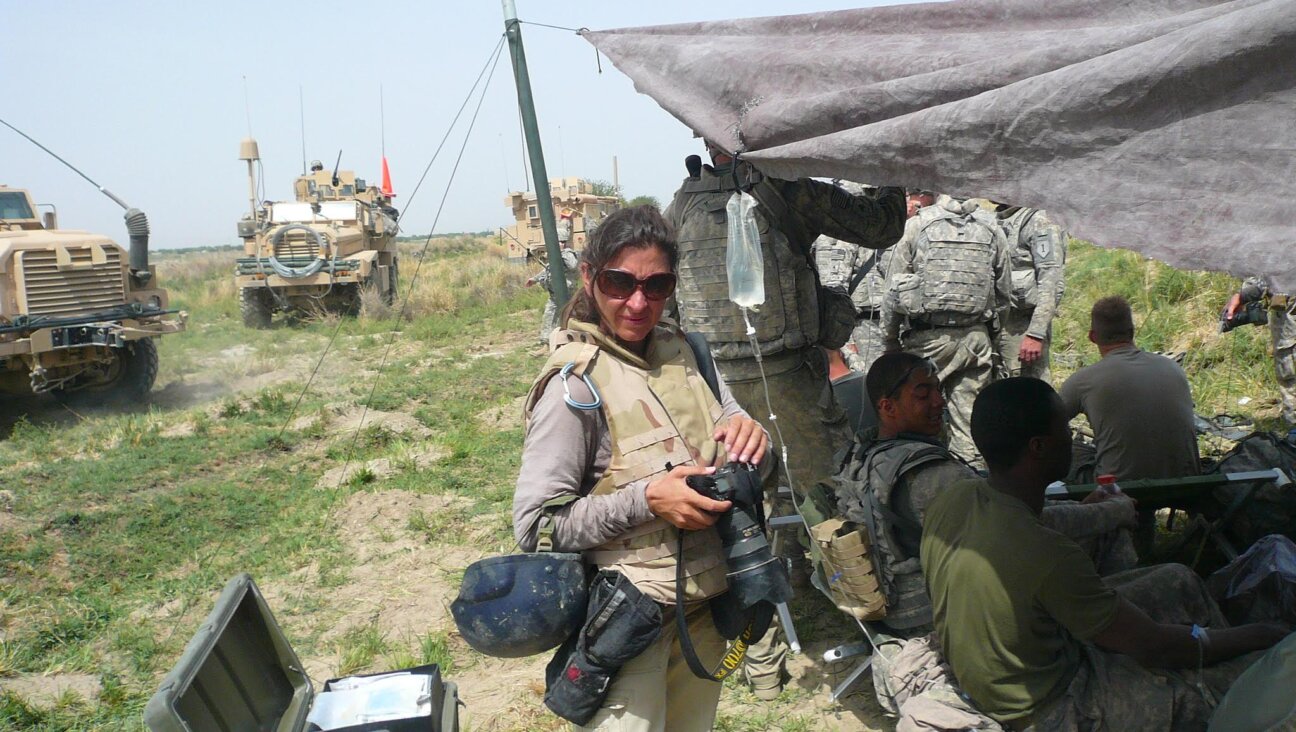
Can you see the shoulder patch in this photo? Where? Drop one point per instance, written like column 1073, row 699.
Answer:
column 1043, row 248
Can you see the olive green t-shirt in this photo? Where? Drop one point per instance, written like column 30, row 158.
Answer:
column 1011, row 599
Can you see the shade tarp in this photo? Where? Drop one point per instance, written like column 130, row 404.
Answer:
column 1167, row 127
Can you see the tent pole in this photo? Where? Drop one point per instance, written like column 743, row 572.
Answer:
column 544, row 198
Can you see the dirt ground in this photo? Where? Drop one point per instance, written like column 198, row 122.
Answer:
column 403, row 586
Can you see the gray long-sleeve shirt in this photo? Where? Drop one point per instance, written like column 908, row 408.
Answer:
column 565, row 453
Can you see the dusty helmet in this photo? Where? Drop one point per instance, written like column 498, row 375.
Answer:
column 521, row 604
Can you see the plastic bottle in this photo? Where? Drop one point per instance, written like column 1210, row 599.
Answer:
column 1107, row 484
column 743, row 259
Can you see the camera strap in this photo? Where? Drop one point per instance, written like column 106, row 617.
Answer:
column 737, row 648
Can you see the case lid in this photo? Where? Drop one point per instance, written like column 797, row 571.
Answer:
column 237, row 673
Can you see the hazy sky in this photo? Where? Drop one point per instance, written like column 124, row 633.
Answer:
column 147, row 98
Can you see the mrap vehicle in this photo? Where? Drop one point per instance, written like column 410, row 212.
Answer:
column 78, row 313
column 319, row 251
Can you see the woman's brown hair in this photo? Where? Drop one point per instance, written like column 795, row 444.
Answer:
column 638, row 226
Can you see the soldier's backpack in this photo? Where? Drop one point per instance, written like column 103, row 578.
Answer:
column 954, row 274
column 1271, row 510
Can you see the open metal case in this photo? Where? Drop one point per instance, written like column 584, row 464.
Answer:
column 239, row 672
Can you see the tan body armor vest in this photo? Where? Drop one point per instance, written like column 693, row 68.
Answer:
column 658, row 410
column 789, row 318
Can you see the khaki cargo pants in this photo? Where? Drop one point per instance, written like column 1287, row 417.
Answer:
column 656, row 691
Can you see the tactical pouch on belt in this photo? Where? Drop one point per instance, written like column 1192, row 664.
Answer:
column 621, row 624
column 841, row 551
column 836, row 317
column 906, row 295
column 848, row 567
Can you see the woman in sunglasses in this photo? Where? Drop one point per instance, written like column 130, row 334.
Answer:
column 609, row 444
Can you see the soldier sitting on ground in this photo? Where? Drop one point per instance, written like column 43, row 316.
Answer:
column 1139, row 405
column 891, row 475
column 1034, row 635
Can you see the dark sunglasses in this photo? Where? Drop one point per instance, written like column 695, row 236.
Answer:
column 619, row 284
column 926, row 365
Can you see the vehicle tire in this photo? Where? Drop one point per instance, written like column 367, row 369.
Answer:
column 254, row 306
column 128, row 381
column 353, row 298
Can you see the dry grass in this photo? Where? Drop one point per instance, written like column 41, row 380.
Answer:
column 206, row 279
column 476, row 274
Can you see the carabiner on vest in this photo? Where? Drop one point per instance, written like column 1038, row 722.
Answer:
column 567, row 397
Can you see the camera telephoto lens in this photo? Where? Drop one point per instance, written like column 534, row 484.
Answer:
column 754, row 573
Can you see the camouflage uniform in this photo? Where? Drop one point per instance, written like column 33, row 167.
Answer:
column 1282, row 328
column 791, row 215
column 947, row 278
column 861, row 274
column 1111, row 691
column 549, row 321
column 1037, row 248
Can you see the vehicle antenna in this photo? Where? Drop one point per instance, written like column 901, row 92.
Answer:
column 301, row 109
column 73, row 168
column 508, row 186
column 247, row 105
column 382, row 124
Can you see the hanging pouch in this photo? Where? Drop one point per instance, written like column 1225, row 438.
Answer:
column 743, row 260
column 621, row 624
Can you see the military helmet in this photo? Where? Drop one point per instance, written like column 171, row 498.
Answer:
column 521, row 604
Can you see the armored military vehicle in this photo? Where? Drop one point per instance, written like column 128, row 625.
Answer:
column 321, row 250
column 78, row 313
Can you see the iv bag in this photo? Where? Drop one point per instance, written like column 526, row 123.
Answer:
column 743, row 259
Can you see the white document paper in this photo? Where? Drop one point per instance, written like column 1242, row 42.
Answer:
column 384, row 698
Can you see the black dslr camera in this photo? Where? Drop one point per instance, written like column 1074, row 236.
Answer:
column 754, row 573
column 1253, row 313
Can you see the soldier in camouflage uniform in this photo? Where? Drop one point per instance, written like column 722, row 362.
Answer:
column 549, row 321
column 1282, row 328
column 862, row 274
column 1037, row 248
column 788, row 338
column 947, row 279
